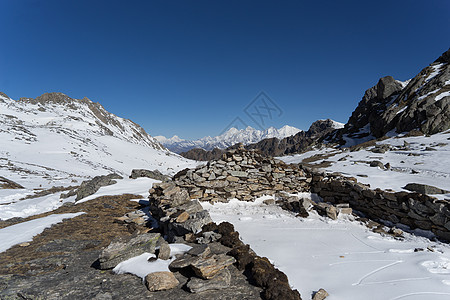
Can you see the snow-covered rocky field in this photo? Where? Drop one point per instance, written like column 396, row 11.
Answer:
column 341, row 256
column 421, row 159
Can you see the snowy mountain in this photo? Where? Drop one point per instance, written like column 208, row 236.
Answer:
column 231, row 137
column 57, row 140
column 275, row 146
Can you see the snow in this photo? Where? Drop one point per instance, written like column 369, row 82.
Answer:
column 24, row 232
column 416, row 165
column 442, row 95
column 341, row 256
column 435, row 71
column 141, row 267
column 13, row 207
column 401, row 110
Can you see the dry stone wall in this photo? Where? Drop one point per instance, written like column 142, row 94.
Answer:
column 412, row 209
column 246, row 175
column 241, row 174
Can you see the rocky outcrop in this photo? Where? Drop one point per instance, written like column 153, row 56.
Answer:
column 5, row 183
column 127, row 247
column 155, row 174
column 422, row 103
column 90, row 187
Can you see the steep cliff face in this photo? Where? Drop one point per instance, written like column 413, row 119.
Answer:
column 391, row 106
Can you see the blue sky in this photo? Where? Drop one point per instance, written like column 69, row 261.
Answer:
column 192, row 67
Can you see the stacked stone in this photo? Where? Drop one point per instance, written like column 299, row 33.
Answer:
column 176, row 213
column 241, row 174
column 413, row 209
column 215, row 248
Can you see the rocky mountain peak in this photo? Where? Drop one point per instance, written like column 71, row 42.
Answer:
column 444, row 58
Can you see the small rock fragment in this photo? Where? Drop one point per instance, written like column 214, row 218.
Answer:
column 164, row 251
column 320, row 295
column 183, row 217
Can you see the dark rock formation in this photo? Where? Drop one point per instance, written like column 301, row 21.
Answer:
column 155, row 174
column 423, row 103
column 90, row 187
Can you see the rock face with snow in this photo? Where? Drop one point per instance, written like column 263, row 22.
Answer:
column 422, row 103
column 58, row 139
column 231, row 137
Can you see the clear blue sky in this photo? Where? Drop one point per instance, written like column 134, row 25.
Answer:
column 191, row 67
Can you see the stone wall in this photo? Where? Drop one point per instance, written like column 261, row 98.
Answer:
column 246, row 175
column 412, row 209
column 241, row 174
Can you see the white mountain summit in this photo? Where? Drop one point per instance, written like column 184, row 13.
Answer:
column 231, row 137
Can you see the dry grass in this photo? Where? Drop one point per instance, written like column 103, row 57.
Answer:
column 97, row 225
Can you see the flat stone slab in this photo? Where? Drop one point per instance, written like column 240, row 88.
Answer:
column 125, row 248
column 221, row 281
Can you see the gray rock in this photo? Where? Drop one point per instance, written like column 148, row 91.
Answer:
column 159, row 281
column 207, row 268
column 424, row 189
column 200, row 250
column 238, row 174
column 127, row 247
column 90, row 187
column 155, row 174
column 183, row 262
column 221, row 281
column 320, row 295
column 194, row 224
column 164, row 251
column 376, row 163
column 209, row 237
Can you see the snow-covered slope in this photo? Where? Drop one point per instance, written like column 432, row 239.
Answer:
column 56, row 140
column 231, row 137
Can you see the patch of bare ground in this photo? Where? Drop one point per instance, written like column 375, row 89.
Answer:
column 310, row 162
column 94, row 229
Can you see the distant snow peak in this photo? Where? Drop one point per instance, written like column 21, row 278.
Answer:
column 230, row 137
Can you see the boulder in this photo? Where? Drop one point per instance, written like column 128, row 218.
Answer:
column 221, row 281
column 127, row 247
column 159, row 281
column 424, row 189
column 320, row 295
column 155, row 174
column 207, row 268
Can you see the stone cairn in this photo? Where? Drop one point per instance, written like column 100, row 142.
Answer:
column 241, row 174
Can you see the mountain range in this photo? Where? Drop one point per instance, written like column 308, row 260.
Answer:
column 420, row 105
column 232, row 136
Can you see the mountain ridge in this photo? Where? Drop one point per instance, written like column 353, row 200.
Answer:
column 230, row 137
column 73, row 139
